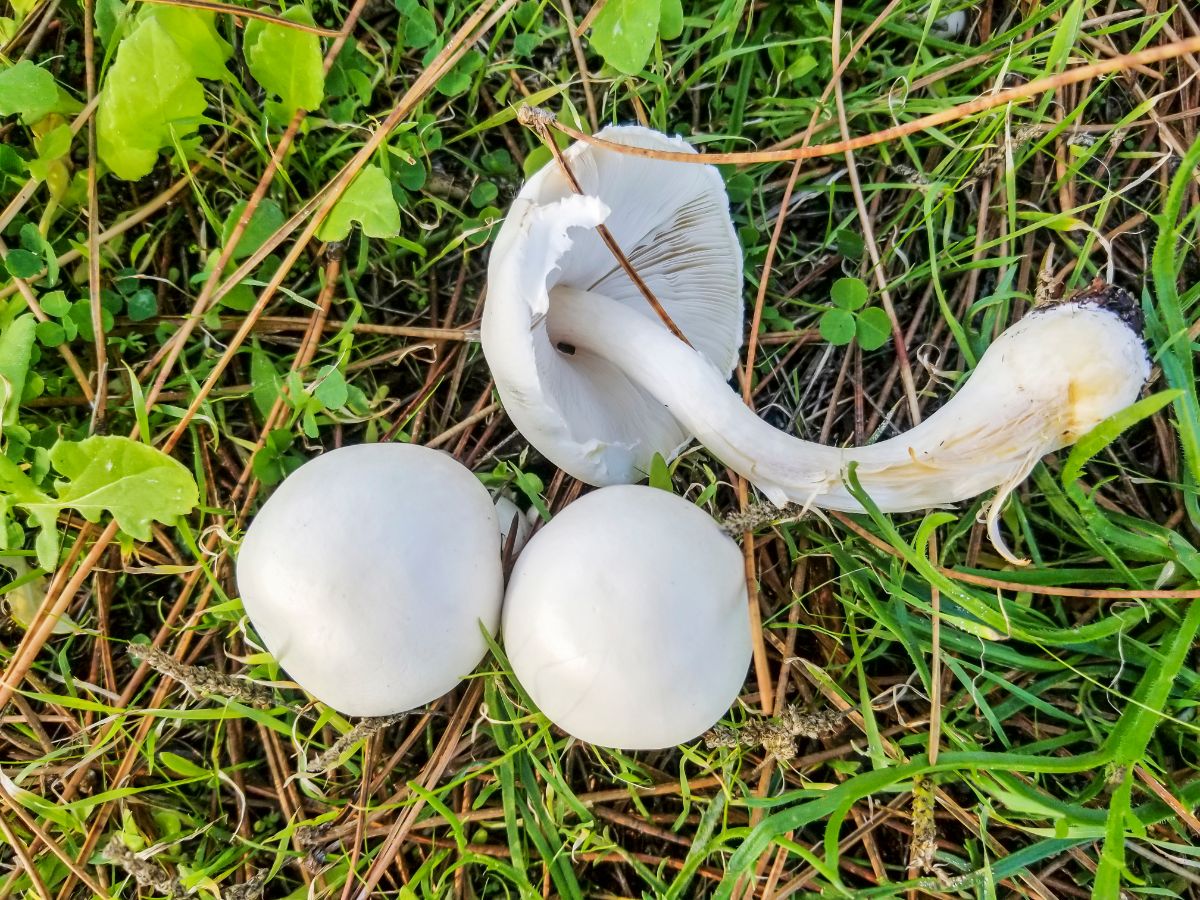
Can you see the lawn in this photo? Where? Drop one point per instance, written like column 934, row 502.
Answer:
column 234, row 236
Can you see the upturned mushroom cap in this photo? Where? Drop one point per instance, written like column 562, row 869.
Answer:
column 367, row 574
column 672, row 222
column 625, row 619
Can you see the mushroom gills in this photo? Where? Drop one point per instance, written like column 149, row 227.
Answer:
column 1042, row 384
column 673, row 226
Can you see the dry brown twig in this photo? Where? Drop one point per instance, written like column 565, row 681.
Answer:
column 1026, row 91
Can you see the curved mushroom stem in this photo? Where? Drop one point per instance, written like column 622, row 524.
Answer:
column 1041, row 385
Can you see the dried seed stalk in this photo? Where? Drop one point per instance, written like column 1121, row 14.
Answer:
column 201, row 679
column 147, row 873
column 250, row 890
column 362, row 730
column 759, row 515
column 777, row 736
column 924, row 837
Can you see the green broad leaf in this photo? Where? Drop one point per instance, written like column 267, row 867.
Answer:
column 25, row 595
column 849, row 293
column 33, row 241
column 195, row 34
column 27, row 90
column 151, row 96
column 142, row 305
column 535, row 159
column 670, row 20
column 873, row 328
column 50, row 148
column 484, row 193
column 803, row 64
column 133, row 482
column 331, row 389
column 55, row 304
column 55, row 143
column 264, row 221
column 524, row 45
column 420, row 29
column 287, row 62
column 369, row 202
column 16, row 352
column 837, row 326
column 660, row 474
column 412, row 176
column 265, row 380
column 17, row 484
column 81, row 315
column 459, row 78
column 11, row 162
column 849, row 244
column 111, row 16
column 275, row 461
column 50, row 334
column 624, row 33
column 22, row 264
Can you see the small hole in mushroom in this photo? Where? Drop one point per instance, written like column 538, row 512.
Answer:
column 564, row 347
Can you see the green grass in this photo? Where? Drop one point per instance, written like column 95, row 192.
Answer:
column 1068, row 751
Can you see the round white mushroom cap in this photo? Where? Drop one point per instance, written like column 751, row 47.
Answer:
column 672, row 223
column 367, row 574
column 625, row 619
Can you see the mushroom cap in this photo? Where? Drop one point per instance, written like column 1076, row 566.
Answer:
column 625, row 619
column 672, row 223
column 367, row 573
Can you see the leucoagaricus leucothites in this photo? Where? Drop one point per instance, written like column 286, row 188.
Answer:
column 582, row 412
column 561, row 327
column 625, row 619
column 368, row 572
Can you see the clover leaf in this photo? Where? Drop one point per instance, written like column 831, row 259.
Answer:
column 287, row 63
column 625, row 30
column 847, row 320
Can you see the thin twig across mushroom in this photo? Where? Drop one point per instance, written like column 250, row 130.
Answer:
column 1041, row 385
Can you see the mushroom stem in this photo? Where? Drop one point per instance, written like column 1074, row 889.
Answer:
column 1041, row 385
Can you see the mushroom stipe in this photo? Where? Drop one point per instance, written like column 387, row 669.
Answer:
column 630, row 389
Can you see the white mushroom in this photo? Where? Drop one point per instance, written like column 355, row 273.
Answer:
column 368, row 572
column 625, row 619
column 1041, row 385
column 672, row 222
column 950, row 25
